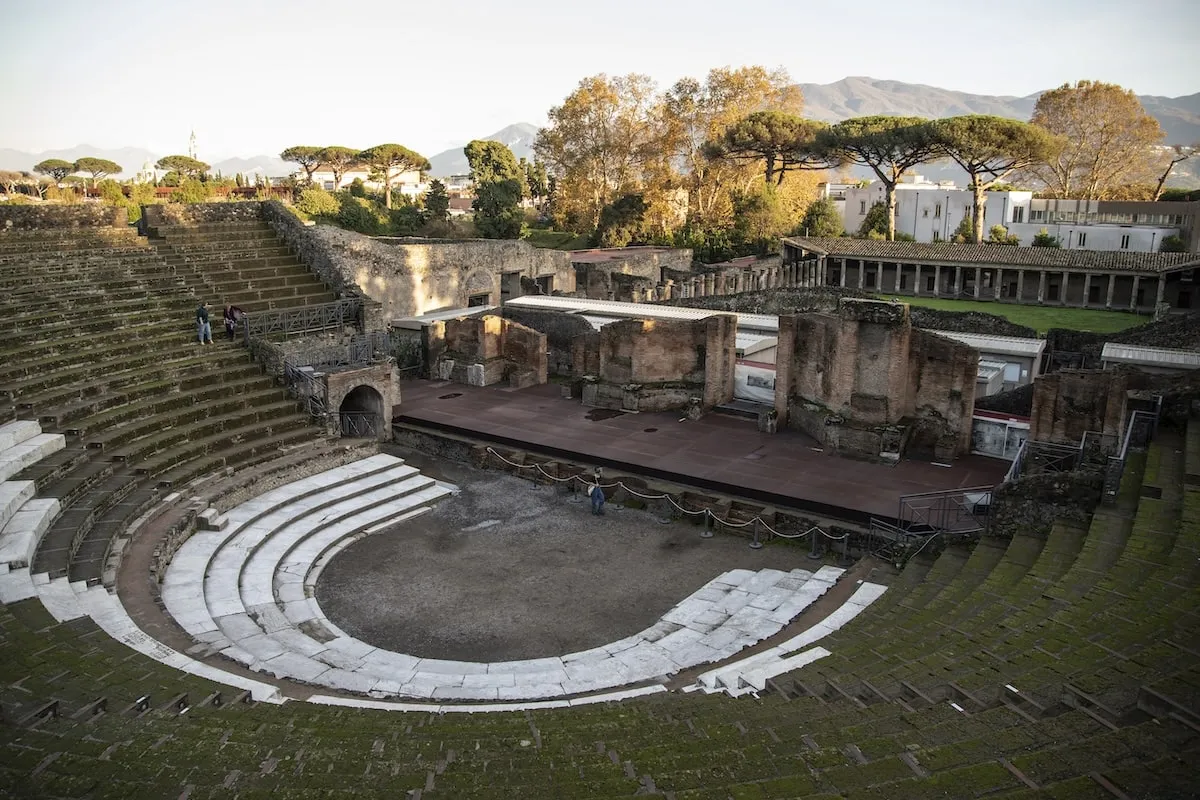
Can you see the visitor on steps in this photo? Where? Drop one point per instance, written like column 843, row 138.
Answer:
column 232, row 315
column 203, row 328
column 597, row 496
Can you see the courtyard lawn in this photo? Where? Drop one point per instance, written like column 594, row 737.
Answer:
column 556, row 240
column 1040, row 318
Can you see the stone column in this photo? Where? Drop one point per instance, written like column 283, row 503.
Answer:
column 1041, row 297
column 1160, row 292
column 823, row 272
column 879, row 276
column 917, row 282
column 978, row 281
column 1112, row 284
column 997, row 279
column 957, row 287
column 1137, row 279
column 1066, row 280
column 710, row 284
column 1020, row 286
column 1087, row 288
column 842, row 274
column 937, row 280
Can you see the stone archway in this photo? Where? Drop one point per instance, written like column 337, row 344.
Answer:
column 361, row 414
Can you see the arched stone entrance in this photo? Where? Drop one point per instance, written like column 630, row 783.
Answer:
column 362, row 414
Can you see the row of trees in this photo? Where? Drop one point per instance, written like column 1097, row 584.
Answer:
column 384, row 162
column 618, row 137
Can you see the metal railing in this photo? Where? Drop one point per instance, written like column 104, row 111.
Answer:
column 361, row 425
column 1138, row 434
column 959, row 511
column 303, row 319
column 302, row 384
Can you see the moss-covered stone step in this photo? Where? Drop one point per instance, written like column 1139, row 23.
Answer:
column 153, row 399
column 58, row 362
column 241, row 455
column 133, row 439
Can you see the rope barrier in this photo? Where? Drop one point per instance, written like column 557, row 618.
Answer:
column 706, row 511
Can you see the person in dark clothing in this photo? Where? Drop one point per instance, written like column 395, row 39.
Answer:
column 233, row 315
column 203, row 328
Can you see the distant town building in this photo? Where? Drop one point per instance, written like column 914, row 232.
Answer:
column 408, row 183
column 932, row 212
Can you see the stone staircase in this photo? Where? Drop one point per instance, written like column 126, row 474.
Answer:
column 238, row 263
column 99, row 347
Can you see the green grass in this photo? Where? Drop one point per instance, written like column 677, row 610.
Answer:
column 556, row 240
column 1041, row 318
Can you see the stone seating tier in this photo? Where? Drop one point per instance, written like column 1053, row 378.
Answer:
column 1142, row 607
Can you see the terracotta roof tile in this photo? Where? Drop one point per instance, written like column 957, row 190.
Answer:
column 998, row 255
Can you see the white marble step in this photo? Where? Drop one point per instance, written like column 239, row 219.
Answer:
column 30, row 451
column 222, row 583
column 17, row 431
column 16, row 585
column 59, row 596
column 19, row 538
column 351, row 665
column 866, row 594
column 13, row 495
column 756, row 678
column 255, row 584
column 206, row 551
column 107, row 612
column 255, row 589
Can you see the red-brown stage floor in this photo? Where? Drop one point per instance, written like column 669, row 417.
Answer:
column 718, row 452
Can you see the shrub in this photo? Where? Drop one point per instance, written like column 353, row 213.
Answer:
column 1173, row 244
column 190, row 191
column 360, row 215
column 317, row 202
column 1043, row 238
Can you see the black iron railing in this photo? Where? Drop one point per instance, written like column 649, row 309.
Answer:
column 287, row 322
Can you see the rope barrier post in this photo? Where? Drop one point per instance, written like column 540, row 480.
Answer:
column 817, row 550
column 666, row 513
column 707, row 533
column 756, row 544
column 575, row 498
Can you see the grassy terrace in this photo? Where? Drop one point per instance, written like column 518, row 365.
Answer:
column 1040, row 318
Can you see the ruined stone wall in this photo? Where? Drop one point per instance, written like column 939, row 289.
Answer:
column 941, row 394
column 561, row 330
column 864, row 381
column 200, row 213
column 642, row 262
column 481, row 351
column 44, row 216
column 1069, row 403
column 856, row 363
column 1176, row 331
column 416, row 276
column 1018, row 401
column 656, row 365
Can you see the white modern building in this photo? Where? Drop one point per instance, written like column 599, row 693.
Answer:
column 932, row 212
column 409, row 183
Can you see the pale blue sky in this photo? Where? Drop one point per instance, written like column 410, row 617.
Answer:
column 254, row 76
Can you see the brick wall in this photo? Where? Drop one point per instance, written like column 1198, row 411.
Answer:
column 486, row 350
column 673, row 364
column 45, row 216
column 867, row 369
column 1069, row 403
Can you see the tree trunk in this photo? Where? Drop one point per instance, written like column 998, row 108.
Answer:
column 1158, row 190
column 770, row 168
column 387, row 188
column 977, row 211
column 891, row 211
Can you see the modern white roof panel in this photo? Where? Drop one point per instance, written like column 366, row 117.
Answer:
column 417, row 322
column 1150, row 356
column 612, row 308
column 1006, row 345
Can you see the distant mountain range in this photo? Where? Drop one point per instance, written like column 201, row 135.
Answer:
column 849, row 97
column 519, row 138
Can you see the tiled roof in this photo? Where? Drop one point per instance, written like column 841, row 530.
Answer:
column 998, row 255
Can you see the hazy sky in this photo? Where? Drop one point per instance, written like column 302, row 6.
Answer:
column 254, row 76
